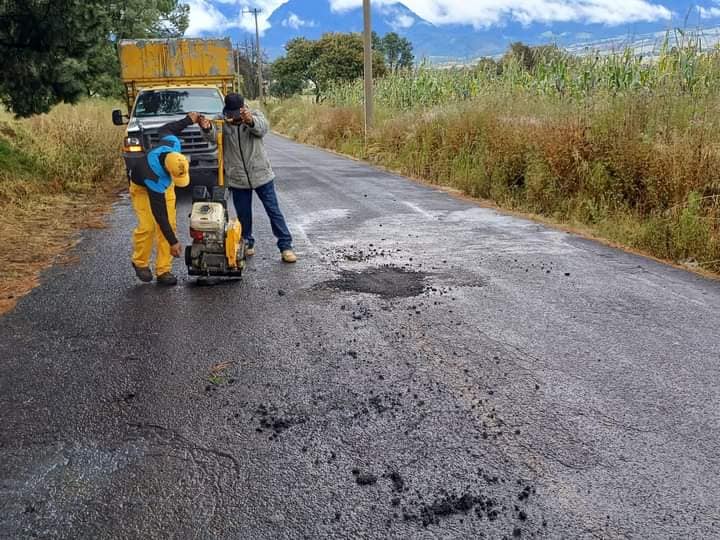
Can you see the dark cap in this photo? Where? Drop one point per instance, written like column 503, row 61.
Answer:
column 233, row 103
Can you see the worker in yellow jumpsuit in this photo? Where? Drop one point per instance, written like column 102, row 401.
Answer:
column 153, row 178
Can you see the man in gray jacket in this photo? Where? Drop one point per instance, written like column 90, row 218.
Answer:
column 247, row 169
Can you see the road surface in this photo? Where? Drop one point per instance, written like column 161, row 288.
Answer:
column 429, row 369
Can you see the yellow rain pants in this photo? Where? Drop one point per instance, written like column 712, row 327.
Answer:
column 148, row 230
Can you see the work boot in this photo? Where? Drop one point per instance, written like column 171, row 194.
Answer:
column 143, row 273
column 288, row 256
column 167, row 279
column 250, row 251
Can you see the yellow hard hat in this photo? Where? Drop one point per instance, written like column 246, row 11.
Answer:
column 179, row 168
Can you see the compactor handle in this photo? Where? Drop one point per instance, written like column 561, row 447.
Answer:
column 219, row 138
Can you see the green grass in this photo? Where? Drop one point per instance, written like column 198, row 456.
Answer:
column 68, row 151
column 14, row 163
column 625, row 149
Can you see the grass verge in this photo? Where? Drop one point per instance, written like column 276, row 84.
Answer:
column 640, row 171
column 59, row 173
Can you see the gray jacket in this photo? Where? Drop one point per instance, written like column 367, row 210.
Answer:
column 246, row 163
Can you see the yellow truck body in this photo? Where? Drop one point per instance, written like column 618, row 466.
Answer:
column 151, row 63
column 164, row 80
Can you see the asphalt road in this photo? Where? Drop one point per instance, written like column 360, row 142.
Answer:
column 429, row 369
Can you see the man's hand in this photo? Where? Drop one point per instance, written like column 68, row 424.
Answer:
column 247, row 117
column 194, row 117
column 204, row 123
column 176, row 249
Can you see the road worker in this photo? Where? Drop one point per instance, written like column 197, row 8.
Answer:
column 248, row 170
column 153, row 178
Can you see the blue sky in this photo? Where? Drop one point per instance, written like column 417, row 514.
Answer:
column 207, row 15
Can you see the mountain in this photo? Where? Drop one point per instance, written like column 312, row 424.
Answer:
column 458, row 42
column 649, row 45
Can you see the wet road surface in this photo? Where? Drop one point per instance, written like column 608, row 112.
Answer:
column 429, row 369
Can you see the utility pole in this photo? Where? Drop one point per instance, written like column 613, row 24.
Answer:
column 367, row 37
column 256, row 11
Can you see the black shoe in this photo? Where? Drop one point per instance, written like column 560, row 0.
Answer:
column 143, row 274
column 167, row 279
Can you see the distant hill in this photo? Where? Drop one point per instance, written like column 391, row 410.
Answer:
column 444, row 43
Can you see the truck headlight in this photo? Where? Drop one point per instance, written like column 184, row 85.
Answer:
column 132, row 144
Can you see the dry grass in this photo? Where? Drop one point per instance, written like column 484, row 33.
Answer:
column 642, row 172
column 60, row 173
column 218, row 368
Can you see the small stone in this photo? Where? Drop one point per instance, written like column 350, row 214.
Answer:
column 365, row 479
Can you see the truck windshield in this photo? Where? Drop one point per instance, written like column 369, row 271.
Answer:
column 172, row 102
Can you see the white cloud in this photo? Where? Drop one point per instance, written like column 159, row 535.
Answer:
column 295, row 22
column 403, row 21
column 344, row 5
column 709, row 13
column 206, row 18
column 394, row 16
column 494, row 12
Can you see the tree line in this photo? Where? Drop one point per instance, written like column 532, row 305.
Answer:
column 62, row 50
column 335, row 58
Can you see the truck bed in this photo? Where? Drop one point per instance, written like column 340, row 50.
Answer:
column 150, row 63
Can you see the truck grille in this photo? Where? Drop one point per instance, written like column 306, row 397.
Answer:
column 192, row 141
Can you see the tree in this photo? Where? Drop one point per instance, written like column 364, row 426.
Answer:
column 332, row 58
column 44, row 49
column 489, row 66
column 62, row 50
column 520, row 53
column 246, row 57
column 529, row 57
column 131, row 19
column 397, row 52
column 290, row 72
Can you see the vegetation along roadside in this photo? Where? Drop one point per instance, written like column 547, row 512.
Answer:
column 59, row 172
column 623, row 147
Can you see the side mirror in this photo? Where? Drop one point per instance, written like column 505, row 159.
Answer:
column 118, row 118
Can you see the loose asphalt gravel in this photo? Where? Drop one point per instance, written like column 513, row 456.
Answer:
column 428, row 369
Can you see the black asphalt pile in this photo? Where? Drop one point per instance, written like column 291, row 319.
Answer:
column 417, row 374
column 387, row 282
column 273, row 421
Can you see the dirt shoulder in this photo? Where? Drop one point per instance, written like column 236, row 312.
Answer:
column 42, row 232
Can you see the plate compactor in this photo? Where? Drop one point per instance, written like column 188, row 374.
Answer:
column 217, row 247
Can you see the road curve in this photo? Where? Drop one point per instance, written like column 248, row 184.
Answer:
column 429, row 369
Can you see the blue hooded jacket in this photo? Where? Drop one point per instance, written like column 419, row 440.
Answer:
column 148, row 171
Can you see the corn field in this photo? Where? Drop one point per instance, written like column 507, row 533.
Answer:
column 682, row 67
column 627, row 147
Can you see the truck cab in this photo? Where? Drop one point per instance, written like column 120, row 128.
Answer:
column 155, row 107
column 165, row 79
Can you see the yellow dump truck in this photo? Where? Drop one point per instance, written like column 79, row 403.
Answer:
column 165, row 79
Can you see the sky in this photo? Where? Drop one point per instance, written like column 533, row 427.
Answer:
column 480, row 13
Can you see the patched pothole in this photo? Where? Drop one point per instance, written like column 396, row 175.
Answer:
column 386, row 282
